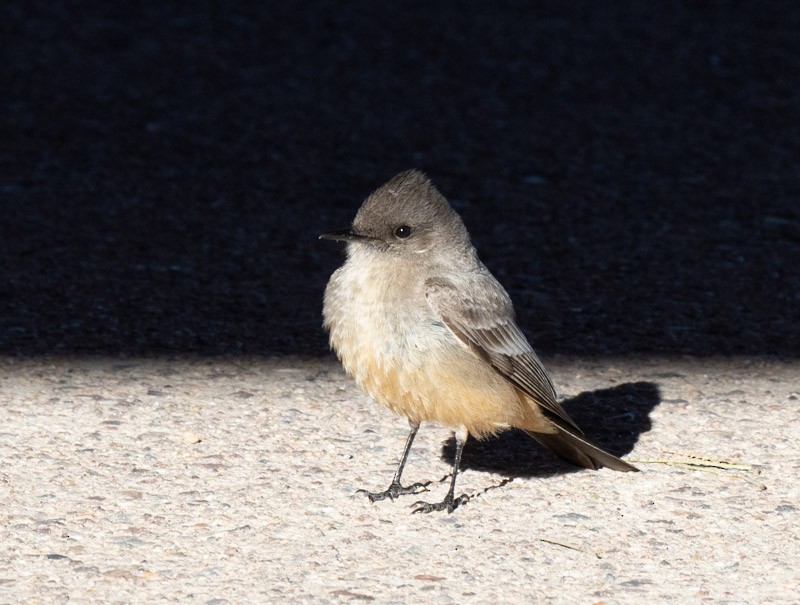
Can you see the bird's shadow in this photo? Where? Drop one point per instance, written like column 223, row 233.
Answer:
column 611, row 418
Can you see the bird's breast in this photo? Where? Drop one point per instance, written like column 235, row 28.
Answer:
column 379, row 320
column 397, row 350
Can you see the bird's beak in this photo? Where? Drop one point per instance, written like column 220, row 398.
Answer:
column 346, row 235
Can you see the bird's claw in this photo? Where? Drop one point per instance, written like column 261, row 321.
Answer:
column 449, row 504
column 395, row 490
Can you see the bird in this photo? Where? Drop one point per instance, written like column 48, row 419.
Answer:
column 423, row 327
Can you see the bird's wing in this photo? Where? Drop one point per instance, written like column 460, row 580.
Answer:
column 481, row 316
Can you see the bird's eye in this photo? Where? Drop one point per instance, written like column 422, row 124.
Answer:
column 402, row 232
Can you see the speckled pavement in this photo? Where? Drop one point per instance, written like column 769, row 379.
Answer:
column 232, row 480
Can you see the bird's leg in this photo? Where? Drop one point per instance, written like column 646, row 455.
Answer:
column 395, row 489
column 450, row 503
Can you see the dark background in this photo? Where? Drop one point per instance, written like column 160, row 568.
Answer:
column 630, row 171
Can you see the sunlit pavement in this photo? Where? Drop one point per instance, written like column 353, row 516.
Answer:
column 232, row 480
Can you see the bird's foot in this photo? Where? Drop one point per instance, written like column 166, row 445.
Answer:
column 449, row 504
column 395, row 490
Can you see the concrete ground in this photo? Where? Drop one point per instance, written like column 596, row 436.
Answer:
column 232, row 480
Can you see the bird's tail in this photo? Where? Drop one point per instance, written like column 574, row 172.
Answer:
column 577, row 450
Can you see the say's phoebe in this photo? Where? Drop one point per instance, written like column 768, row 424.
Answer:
column 424, row 327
